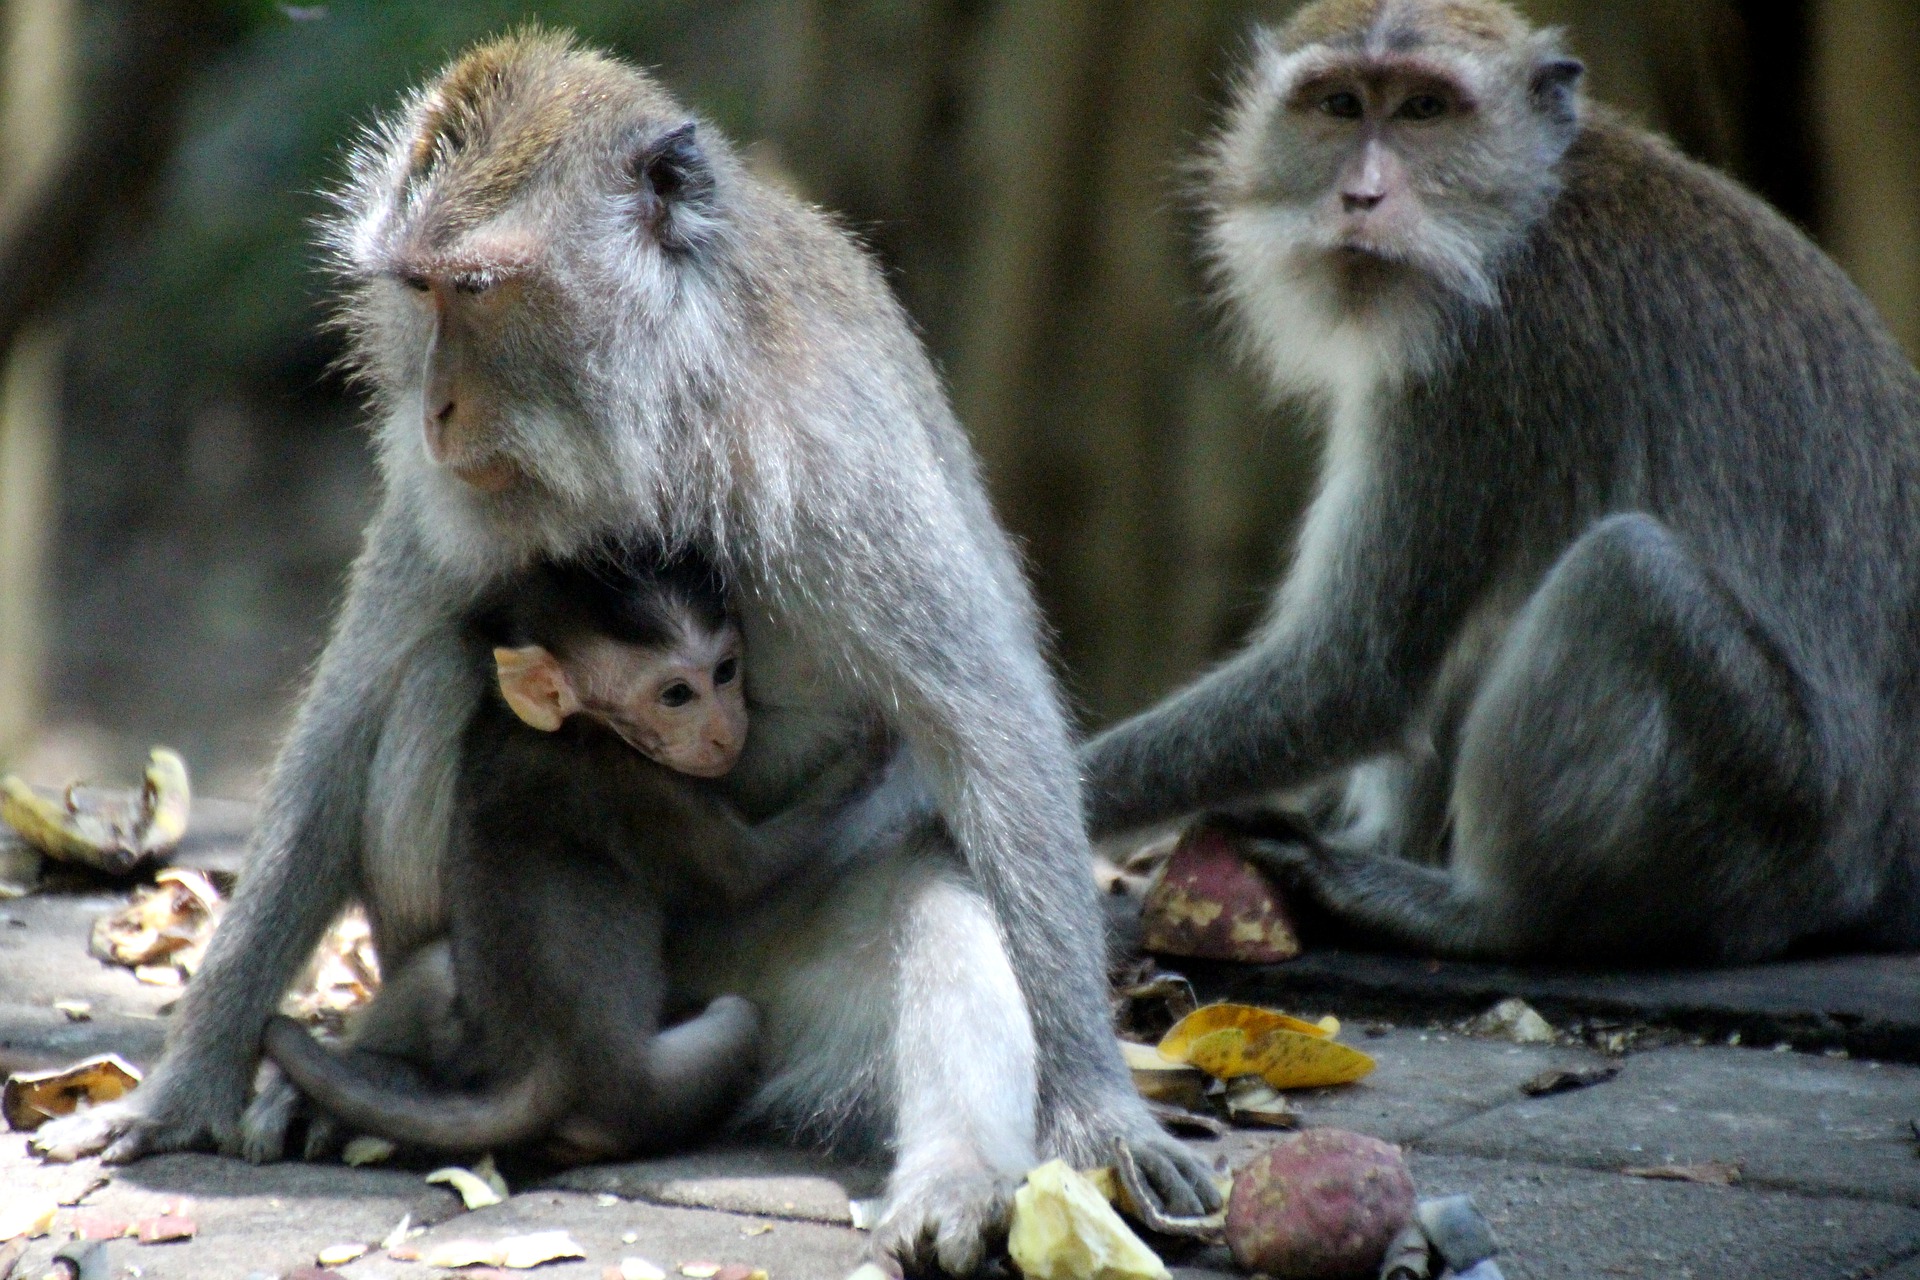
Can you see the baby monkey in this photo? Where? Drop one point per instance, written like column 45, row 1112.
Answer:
column 582, row 819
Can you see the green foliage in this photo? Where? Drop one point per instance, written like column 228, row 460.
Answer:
column 223, row 281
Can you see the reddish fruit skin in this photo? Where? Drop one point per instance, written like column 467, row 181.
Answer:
column 1212, row 904
column 1321, row 1205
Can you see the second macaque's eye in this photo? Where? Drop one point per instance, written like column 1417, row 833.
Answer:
column 1343, row 105
column 677, row 694
column 725, row 670
column 1423, row 106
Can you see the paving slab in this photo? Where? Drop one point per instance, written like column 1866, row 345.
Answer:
column 1556, row 1223
column 1792, row 1120
column 1427, row 1080
column 43, row 958
column 269, row 1219
column 775, row 1182
column 1866, row 1004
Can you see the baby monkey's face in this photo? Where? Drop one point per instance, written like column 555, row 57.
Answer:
column 684, row 706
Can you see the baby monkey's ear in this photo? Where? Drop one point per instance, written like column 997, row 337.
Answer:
column 535, row 685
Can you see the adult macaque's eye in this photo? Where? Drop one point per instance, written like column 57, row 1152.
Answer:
column 1342, row 105
column 1423, row 106
column 725, row 670
column 677, row 694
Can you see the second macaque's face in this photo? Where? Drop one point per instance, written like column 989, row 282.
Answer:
column 684, row 707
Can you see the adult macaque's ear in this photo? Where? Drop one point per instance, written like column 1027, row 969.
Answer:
column 1554, row 87
column 535, row 685
column 674, row 186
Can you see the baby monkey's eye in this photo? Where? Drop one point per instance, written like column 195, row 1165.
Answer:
column 725, row 670
column 416, row 283
column 1342, row 105
column 1423, row 106
column 677, row 694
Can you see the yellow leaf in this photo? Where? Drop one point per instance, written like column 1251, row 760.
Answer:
column 1249, row 1019
column 1283, row 1057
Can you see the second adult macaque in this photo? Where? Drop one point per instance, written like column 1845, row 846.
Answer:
column 1609, row 601
column 582, row 825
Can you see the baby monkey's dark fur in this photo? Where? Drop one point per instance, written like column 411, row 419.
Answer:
column 569, row 850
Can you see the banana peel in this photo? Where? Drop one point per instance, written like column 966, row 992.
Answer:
column 108, row 829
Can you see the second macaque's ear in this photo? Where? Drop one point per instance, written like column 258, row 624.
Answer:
column 535, row 685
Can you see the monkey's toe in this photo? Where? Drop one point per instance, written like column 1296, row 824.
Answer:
column 948, row 1226
column 89, row 1133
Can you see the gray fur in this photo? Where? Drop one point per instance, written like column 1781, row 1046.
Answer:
column 753, row 391
column 1620, row 556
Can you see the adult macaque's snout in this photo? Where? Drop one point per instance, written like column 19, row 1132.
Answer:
column 453, row 408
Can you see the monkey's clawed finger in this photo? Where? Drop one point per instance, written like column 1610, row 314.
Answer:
column 1167, row 1183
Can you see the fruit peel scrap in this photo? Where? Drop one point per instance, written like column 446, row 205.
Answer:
column 473, row 1189
column 110, row 830
column 31, row 1098
column 1249, row 1018
column 1228, row 1041
column 1064, row 1229
column 1210, row 903
column 516, row 1253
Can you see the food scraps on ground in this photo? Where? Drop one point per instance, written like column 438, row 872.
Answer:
column 1231, row 1040
column 634, row 1269
column 164, row 930
column 1563, row 1079
column 1161, row 1079
column 477, row 1187
column 367, row 1149
column 27, row 1216
column 1513, row 1019
column 1064, row 1229
column 342, row 976
column 31, row 1098
column 110, row 829
column 339, row 1255
column 1709, row 1173
column 1253, row 1102
column 1209, row 902
column 1320, row 1205
column 1409, row 1256
column 516, row 1253
column 164, row 1227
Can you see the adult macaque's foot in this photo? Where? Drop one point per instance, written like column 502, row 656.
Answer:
column 1178, row 1182
column 949, row 1224
column 156, row 1117
column 87, row 1133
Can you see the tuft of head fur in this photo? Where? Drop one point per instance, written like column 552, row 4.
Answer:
column 1488, row 24
column 1316, row 317
column 681, row 337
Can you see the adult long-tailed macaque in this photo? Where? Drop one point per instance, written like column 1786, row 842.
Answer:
column 1608, row 598
column 578, row 834
column 580, row 317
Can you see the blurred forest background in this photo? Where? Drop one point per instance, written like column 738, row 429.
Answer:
column 182, row 481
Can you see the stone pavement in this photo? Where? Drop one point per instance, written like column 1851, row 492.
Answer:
column 1829, row 1181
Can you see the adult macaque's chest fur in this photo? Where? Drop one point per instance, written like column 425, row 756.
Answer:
column 801, row 718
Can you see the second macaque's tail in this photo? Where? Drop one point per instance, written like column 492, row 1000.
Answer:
column 515, row 1111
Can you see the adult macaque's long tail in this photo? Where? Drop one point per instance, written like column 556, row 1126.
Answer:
column 518, row 1110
